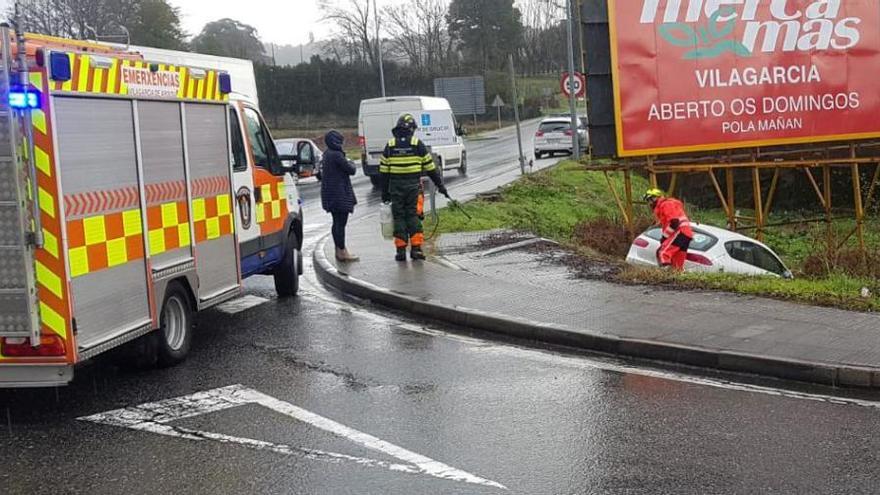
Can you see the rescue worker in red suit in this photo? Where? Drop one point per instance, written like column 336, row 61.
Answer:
column 676, row 227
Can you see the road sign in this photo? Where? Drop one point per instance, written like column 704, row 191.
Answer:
column 580, row 85
column 466, row 95
column 498, row 102
column 157, row 417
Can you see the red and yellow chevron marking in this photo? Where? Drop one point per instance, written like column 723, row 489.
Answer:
column 139, row 78
column 53, row 291
column 104, row 241
column 92, row 202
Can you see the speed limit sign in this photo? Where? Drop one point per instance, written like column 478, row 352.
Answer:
column 580, row 84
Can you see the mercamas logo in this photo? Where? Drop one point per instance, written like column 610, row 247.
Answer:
column 708, row 27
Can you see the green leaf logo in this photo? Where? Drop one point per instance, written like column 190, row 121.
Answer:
column 709, row 41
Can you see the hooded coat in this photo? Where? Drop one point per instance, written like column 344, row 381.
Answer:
column 337, row 195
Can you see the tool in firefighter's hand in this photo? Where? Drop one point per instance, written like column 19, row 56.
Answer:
column 455, row 204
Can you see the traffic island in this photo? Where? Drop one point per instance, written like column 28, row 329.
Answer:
column 510, row 297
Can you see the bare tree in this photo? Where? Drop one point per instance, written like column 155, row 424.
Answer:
column 544, row 34
column 419, row 31
column 355, row 26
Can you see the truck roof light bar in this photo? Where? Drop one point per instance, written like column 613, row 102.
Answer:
column 59, row 66
column 225, row 83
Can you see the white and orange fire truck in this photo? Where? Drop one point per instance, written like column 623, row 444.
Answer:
column 133, row 194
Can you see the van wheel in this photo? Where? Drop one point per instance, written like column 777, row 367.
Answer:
column 376, row 181
column 176, row 321
column 287, row 272
column 462, row 170
column 538, row 155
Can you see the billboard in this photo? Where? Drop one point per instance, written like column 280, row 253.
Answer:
column 697, row 75
column 466, row 95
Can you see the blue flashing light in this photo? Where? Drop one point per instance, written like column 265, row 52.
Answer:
column 59, row 66
column 225, row 83
column 21, row 99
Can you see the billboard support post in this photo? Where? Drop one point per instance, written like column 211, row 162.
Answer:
column 841, row 158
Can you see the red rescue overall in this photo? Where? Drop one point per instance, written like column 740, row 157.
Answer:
column 677, row 233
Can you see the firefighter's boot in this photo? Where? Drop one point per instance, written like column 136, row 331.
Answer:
column 401, row 254
column 416, row 254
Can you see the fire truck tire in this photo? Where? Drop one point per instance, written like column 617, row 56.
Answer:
column 174, row 338
column 287, row 272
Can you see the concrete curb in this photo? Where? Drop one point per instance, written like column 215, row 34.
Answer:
column 789, row 369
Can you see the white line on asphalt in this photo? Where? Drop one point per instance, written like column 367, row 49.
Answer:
column 241, row 304
column 154, row 417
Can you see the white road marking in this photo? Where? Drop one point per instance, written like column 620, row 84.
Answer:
column 241, row 304
column 155, row 417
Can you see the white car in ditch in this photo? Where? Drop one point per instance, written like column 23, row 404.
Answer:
column 713, row 250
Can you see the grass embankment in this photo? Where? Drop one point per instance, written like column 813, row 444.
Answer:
column 575, row 208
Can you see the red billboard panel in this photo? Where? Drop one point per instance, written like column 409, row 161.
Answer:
column 693, row 75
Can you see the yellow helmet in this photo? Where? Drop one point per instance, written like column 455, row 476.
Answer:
column 654, row 193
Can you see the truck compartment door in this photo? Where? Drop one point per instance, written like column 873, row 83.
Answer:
column 207, row 151
column 104, row 220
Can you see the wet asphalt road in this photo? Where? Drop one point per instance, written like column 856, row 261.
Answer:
column 537, row 421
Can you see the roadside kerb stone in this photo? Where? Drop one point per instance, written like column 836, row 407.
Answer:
column 720, row 359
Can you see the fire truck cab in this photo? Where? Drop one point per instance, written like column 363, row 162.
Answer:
column 133, row 194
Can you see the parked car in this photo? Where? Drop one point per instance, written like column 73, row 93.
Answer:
column 290, row 146
column 713, row 250
column 554, row 136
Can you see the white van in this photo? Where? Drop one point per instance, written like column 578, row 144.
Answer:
column 438, row 129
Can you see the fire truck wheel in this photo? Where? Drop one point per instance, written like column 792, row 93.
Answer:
column 287, row 272
column 175, row 334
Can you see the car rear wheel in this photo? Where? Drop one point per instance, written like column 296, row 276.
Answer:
column 287, row 272
column 462, row 170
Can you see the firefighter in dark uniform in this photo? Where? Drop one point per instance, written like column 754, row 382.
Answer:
column 404, row 162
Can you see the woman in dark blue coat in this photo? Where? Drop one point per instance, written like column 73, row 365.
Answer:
column 337, row 195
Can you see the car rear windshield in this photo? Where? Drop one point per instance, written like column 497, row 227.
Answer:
column 703, row 241
column 555, row 126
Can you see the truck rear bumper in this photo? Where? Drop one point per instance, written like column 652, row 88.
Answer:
column 35, row 375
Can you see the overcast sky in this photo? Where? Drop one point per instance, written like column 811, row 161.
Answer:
column 284, row 22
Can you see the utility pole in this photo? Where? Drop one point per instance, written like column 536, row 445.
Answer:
column 522, row 158
column 572, row 93
column 379, row 47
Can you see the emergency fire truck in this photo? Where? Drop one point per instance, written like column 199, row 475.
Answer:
column 133, row 194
